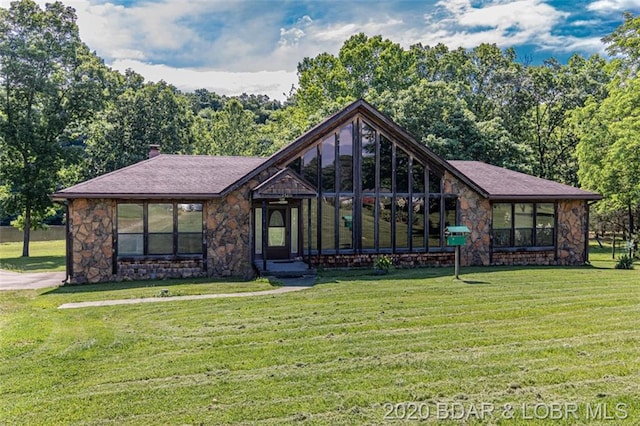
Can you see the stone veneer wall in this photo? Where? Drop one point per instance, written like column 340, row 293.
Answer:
column 91, row 226
column 475, row 214
column 228, row 223
column 572, row 227
column 158, row 269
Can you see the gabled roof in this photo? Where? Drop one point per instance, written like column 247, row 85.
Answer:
column 285, row 184
column 167, row 176
column 503, row 184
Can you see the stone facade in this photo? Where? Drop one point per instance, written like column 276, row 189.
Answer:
column 91, row 227
column 158, row 269
column 572, row 232
column 475, row 214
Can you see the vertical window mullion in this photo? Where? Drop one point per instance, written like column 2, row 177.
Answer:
column 145, row 227
column 425, row 225
column 394, row 195
column 175, row 228
column 410, row 208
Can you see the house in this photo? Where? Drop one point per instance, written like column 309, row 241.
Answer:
column 353, row 187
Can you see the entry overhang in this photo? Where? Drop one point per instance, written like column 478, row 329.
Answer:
column 286, row 184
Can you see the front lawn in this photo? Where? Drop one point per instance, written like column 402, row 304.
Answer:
column 43, row 256
column 344, row 352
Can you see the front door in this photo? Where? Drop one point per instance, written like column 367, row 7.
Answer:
column 278, row 231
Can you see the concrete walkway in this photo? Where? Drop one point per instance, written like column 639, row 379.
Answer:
column 10, row 280
column 279, row 290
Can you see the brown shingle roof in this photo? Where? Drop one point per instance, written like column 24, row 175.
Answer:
column 501, row 183
column 184, row 176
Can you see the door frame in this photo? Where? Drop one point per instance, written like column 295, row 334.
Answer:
column 279, row 252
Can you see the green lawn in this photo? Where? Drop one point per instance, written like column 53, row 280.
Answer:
column 43, row 256
column 334, row 354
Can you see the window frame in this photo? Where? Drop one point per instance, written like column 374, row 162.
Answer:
column 534, row 246
column 175, row 233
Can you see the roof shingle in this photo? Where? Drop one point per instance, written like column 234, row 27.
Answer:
column 185, row 176
column 501, row 183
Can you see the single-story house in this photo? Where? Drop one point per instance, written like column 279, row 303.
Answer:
column 353, row 187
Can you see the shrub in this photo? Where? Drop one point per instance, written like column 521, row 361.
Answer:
column 383, row 264
column 625, row 262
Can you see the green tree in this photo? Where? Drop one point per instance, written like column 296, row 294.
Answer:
column 141, row 115
column 48, row 80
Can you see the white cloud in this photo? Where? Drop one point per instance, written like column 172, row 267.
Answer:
column 293, row 35
column 502, row 23
column 275, row 84
column 604, row 6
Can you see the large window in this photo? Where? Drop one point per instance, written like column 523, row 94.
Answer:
column 523, row 225
column 374, row 194
column 159, row 229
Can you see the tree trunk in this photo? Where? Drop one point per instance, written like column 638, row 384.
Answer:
column 27, row 232
column 631, row 224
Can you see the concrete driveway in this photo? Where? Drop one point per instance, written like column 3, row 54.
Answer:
column 29, row 280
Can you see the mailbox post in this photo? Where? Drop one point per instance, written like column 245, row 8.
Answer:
column 456, row 237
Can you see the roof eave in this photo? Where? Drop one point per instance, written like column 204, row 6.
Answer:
column 544, row 197
column 61, row 196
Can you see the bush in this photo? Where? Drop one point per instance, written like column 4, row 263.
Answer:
column 383, row 264
column 625, row 262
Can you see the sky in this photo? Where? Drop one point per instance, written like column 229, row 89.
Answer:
column 253, row 46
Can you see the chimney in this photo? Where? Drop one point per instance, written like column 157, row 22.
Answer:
column 154, row 151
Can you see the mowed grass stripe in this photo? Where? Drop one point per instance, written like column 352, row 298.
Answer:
column 331, row 355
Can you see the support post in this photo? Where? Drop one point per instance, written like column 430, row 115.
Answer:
column 264, row 236
column 457, row 261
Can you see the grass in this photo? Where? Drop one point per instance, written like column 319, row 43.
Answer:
column 334, row 354
column 44, row 256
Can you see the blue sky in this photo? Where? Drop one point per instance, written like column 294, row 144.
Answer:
column 232, row 47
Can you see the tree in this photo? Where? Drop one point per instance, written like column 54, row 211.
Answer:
column 49, row 79
column 141, row 115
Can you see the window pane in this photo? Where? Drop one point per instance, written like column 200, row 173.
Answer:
column 190, row 243
column 189, row 217
column 544, row 236
column 368, row 222
column 545, row 215
column 294, row 230
column 545, row 224
column 502, row 216
column 368, row 158
column 328, row 226
column 434, row 183
column 418, row 177
column 434, row 222
column 450, row 217
column 276, row 237
column 130, row 244
column 402, row 222
column 502, row 237
column 329, row 164
column 258, row 227
column 305, row 225
column 310, row 166
column 523, row 237
column 523, row 215
column 386, row 164
column 346, row 158
column 402, row 171
column 160, row 243
column 130, row 218
column 160, row 218
column 346, row 223
column 417, row 231
column 384, row 223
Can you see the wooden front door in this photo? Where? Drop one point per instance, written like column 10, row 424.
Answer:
column 278, row 233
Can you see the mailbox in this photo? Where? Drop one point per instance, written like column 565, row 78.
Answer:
column 456, row 235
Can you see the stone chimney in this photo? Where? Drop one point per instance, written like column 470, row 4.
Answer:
column 154, row 150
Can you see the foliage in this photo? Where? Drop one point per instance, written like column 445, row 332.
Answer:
column 48, row 81
column 383, row 263
column 624, row 262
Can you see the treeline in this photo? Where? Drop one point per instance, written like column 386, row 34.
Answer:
column 66, row 117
